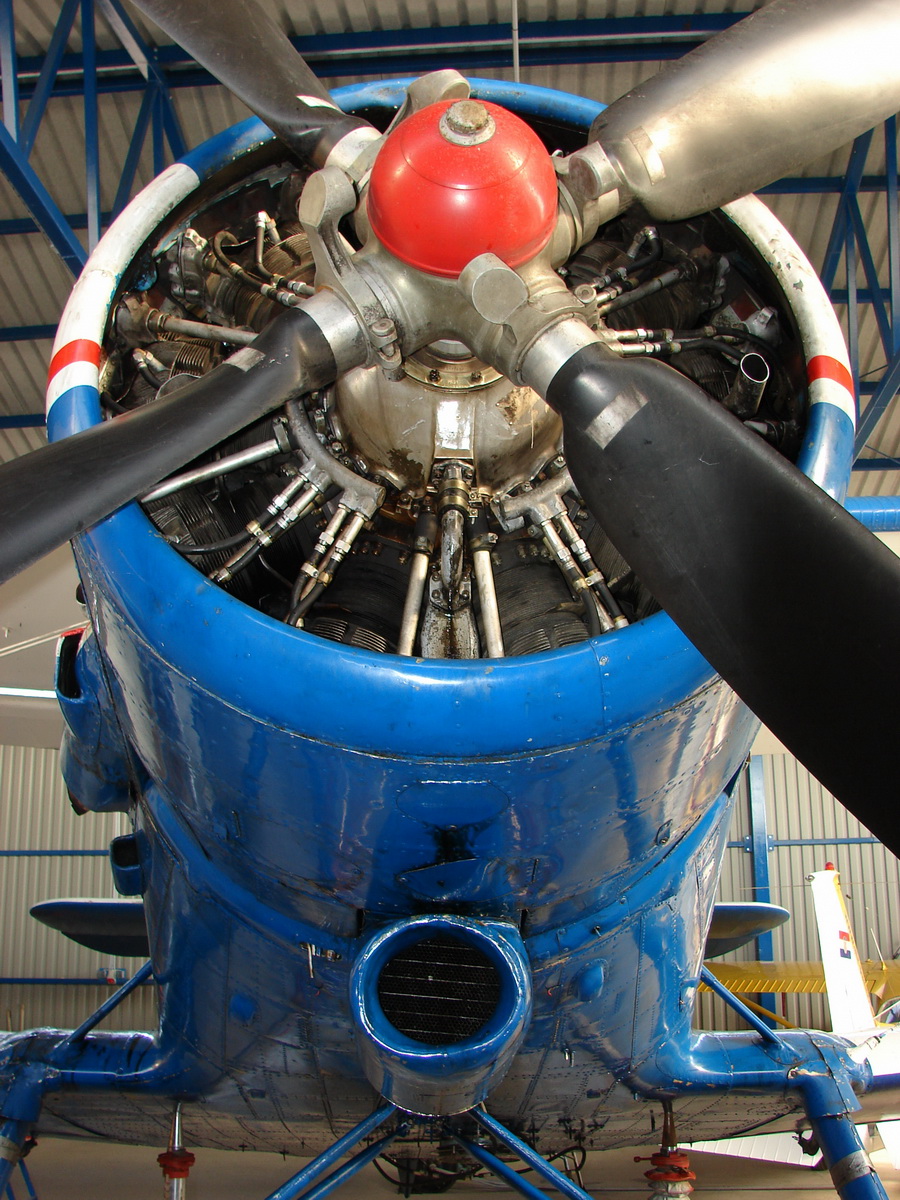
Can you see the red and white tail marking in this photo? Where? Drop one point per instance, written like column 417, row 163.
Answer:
column 848, row 997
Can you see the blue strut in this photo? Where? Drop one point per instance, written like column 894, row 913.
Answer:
column 523, row 1151
column 12, row 1138
column 828, row 1099
column 292, row 1189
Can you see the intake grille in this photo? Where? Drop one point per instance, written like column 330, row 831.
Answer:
column 439, row 991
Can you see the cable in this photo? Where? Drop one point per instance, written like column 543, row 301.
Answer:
column 229, row 543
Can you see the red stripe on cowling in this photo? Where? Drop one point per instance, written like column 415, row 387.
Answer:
column 81, row 350
column 823, row 366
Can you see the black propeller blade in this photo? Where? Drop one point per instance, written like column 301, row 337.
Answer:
column 245, row 50
column 793, row 601
column 789, row 83
column 52, row 494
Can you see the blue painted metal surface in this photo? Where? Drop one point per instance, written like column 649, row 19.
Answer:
column 429, row 1080
column 739, row 1007
column 26, row 1180
column 504, row 1171
column 103, row 1011
column 581, row 796
column 12, row 1134
column 525, row 1152
column 759, row 836
column 351, row 1168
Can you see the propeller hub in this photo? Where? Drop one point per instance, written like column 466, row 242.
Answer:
column 456, row 180
column 467, row 123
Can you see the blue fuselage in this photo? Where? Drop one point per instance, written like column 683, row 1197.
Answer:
column 293, row 796
column 296, row 796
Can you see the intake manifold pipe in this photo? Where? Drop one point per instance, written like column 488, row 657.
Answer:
column 440, row 1006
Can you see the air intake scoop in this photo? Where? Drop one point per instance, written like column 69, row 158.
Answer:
column 458, row 179
column 440, row 1004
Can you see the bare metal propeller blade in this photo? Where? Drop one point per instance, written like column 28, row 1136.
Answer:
column 795, row 80
column 246, row 51
column 791, row 600
column 52, row 494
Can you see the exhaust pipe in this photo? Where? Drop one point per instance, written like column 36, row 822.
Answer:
column 440, row 1005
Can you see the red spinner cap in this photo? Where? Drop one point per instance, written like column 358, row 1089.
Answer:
column 459, row 179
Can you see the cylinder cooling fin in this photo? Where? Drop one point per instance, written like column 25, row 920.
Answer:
column 440, row 1006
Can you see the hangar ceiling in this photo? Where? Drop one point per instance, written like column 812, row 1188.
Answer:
column 96, row 100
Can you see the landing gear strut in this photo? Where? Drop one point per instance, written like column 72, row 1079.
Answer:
column 670, row 1174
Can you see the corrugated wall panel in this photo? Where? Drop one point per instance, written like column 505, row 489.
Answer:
column 799, row 809
column 870, row 874
column 35, row 816
column 24, row 1006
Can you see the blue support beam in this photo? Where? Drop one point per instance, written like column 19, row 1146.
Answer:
column 40, row 94
column 877, row 464
column 759, row 849
column 145, row 60
column 18, row 225
column 135, row 148
column 9, row 69
column 893, row 225
column 23, row 421
column 852, row 310
column 40, row 203
column 406, row 51
column 20, row 142
column 838, row 238
column 887, row 389
column 861, row 237
column 27, row 333
column 849, row 241
column 54, row 853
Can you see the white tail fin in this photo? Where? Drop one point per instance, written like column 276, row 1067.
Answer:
column 848, row 998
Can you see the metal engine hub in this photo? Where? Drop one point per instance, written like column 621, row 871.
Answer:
column 449, row 406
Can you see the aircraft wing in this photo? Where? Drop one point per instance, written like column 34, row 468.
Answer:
column 882, row 979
